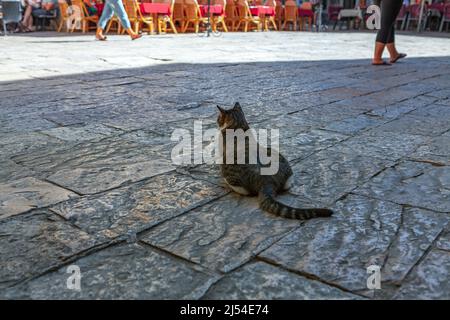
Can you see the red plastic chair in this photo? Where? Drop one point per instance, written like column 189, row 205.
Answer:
column 333, row 13
column 445, row 17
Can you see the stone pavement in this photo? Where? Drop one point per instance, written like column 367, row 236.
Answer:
column 87, row 178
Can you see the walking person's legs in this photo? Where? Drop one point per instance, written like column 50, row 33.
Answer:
column 123, row 17
column 385, row 36
column 390, row 43
column 107, row 14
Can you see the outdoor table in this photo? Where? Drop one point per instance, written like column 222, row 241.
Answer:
column 155, row 8
column 215, row 9
column 262, row 10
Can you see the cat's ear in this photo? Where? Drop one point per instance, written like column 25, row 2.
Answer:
column 220, row 109
column 237, row 106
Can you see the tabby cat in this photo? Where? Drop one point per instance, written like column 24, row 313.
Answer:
column 246, row 178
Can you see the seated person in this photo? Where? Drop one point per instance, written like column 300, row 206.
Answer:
column 90, row 6
column 26, row 25
column 46, row 8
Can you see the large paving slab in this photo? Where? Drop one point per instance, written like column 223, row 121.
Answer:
column 221, row 235
column 128, row 271
column 29, row 193
column 142, row 205
column 412, row 183
column 96, row 166
column 361, row 233
column 262, row 281
column 328, row 175
column 429, row 281
column 35, row 242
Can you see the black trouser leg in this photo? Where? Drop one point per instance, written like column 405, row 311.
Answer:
column 389, row 13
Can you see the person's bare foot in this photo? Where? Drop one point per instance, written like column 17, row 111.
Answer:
column 136, row 36
column 380, row 63
column 399, row 56
column 99, row 35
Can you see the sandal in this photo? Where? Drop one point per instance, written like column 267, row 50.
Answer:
column 384, row 63
column 399, row 56
column 136, row 36
column 103, row 38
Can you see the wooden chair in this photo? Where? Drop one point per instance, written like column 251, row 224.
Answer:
column 217, row 20
column 178, row 14
column 136, row 17
column 193, row 15
column 64, row 18
column 164, row 19
column 270, row 19
column 246, row 17
column 309, row 16
column 231, row 15
column 279, row 14
column 87, row 22
column 290, row 14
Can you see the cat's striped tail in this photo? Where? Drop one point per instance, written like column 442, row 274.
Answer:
column 268, row 203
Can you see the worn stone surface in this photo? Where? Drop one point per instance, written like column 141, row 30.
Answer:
column 436, row 150
column 221, row 235
column 29, row 193
column 81, row 133
column 362, row 232
column 121, row 272
column 97, row 166
column 412, row 183
column 418, row 125
column 327, row 175
column 139, row 206
column 378, row 143
column 369, row 142
column 430, row 278
column 34, row 242
column 261, row 281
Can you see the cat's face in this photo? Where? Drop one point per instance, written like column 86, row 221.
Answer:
column 232, row 119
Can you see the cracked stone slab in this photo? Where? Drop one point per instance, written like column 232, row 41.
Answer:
column 302, row 145
column 93, row 167
column 138, row 206
column 24, row 123
column 377, row 143
column 12, row 144
column 432, row 111
column 339, row 249
column 29, row 193
column 81, row 133
column 10, row 171
column 327, row 175
column 129, row 271
column 429, row 280
column 262, row 281
column 436, row 150
column 35, row 242
column 417, row 230
column 221, row 235
column 413, row 183
column 394, row 242
column 415, row 125
column 353, row 124
column 400, row 108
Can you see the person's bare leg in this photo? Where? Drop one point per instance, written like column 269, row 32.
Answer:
column 27, row 21
column 99, row 34
column 133, row 34
column 378, row 53
column 393, row 53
